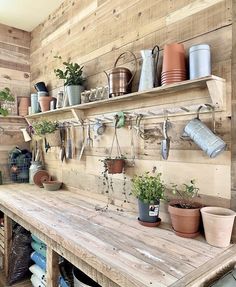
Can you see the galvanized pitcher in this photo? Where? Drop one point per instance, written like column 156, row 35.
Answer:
column 211, row 144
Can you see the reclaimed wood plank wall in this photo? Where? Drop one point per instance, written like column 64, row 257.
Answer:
column 15, row 74
column 94, row 33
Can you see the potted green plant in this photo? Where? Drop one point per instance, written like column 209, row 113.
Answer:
column 73, row 81
column 184, row 212
column 5, row 96
column 48, row 129
column 149, row 189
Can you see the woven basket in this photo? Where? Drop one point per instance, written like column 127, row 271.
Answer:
column 54, row 139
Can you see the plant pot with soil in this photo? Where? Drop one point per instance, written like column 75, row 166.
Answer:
column 184, row 213
column 149, row 190
column 73, row 81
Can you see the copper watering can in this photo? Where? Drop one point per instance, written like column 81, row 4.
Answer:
column 120, row 78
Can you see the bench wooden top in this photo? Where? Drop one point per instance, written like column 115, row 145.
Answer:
column 111, row 242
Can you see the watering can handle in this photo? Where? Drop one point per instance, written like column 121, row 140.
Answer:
column 156, row 52
column 136, row 64
column 213, row 115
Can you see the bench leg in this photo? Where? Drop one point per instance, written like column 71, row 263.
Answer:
column 52, row 268
column 7, row 242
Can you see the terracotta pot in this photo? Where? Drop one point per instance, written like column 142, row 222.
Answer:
column 173, row 78
column 45, row 103
column 115, row 165
column 24, row 104
column 173, row 57
column 218, row 224
column 185, row 221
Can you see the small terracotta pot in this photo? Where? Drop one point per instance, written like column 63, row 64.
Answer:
column 185, row 221
column 24, row 104
column 115, row 165
column 218, row 224
column 45, row 103
column 173, row 57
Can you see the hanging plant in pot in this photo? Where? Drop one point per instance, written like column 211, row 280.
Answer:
column 184, row 212
column 115, row 164
column 73, row 81
column 49, row 130
column 149, row 189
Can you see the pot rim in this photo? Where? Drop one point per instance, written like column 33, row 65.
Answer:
column 209, row 210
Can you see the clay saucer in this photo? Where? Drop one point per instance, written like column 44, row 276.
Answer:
column 41, row 176
column 186, row 235
column 150, row 224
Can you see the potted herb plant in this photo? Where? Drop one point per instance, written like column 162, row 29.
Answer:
column 184, row 212
column 73, row 81
column 149, row 189
column 48, row 129
column 5, row 96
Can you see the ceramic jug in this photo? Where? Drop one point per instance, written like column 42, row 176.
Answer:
column 148, row 77
column 211, row 144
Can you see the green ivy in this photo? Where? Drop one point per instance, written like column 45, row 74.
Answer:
column 148, row 188
column 6, row 96
column 44, row 127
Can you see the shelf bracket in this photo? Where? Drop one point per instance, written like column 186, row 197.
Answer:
column 217, row 91
column 78, row 115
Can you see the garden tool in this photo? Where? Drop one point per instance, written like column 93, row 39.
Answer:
column 68, row 144
column 89, row 139
column 165, row 144
column 62, row 150
column 143, row 135
column 83, row 144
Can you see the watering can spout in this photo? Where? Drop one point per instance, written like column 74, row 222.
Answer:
column 107, row 76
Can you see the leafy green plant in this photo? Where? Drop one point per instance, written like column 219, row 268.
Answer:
column 5, row 96
column 44, row 127
column 185, row 193
column 148, row 188
column 72, row 75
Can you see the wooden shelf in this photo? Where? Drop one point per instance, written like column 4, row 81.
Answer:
column 214, row 84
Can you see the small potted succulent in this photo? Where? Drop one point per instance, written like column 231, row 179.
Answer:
column 73, row 81
column 5, row 96
column 184, row 212
column 48, row 129
column 149, row 189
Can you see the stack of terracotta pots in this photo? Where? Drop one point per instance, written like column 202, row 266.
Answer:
column 24, row 104
column 174, row 65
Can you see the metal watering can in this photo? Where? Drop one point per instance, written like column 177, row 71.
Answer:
column 120, row 78
column 211, row 144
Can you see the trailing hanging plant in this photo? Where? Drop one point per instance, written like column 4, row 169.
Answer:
column 45, row 127
column 72, row 75
column 5, row 96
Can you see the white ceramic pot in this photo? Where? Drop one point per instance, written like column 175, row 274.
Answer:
column 218, row 224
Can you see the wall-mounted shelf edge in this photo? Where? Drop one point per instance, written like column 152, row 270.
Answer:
column 215, row 86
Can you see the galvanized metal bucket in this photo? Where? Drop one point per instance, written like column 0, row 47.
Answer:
column 210, row 143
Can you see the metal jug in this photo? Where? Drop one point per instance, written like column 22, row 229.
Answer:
column 148, row 77
column 211, row 144
column 120, row 78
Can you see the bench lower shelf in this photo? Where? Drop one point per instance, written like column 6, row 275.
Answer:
column 25, row 283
